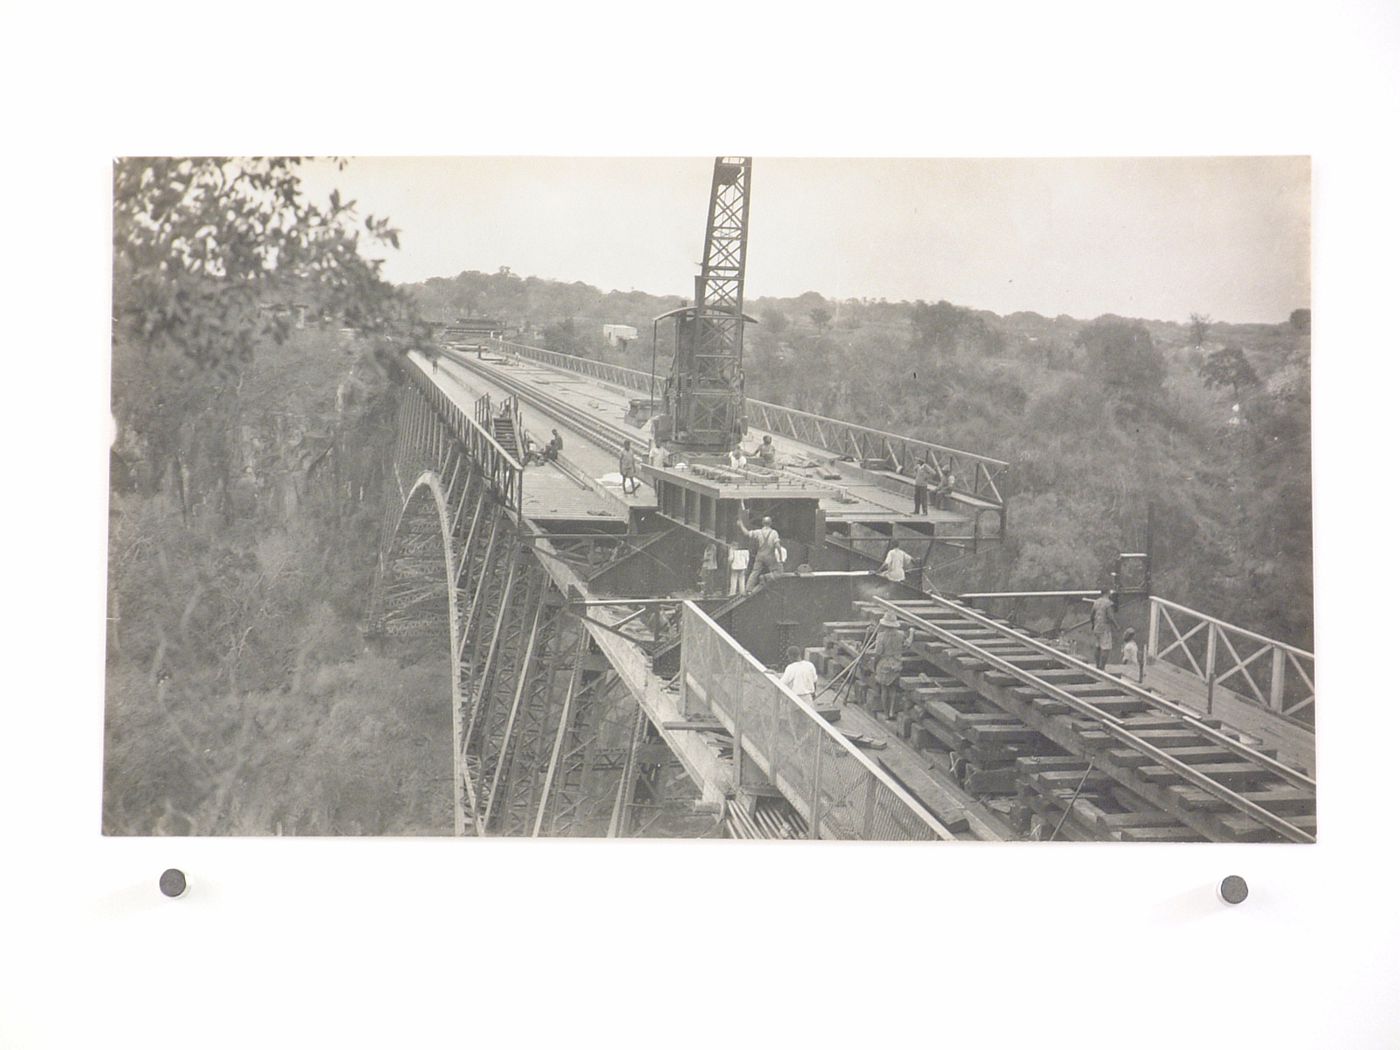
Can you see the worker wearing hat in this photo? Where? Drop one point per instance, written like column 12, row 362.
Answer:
column 889, row 662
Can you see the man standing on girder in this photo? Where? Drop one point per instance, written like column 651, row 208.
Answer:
column 766, row 561
column 1103, row 622
column 923, row 474
column 627, row 467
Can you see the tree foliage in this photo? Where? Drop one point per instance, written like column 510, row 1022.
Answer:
column 245, row 510
column 1228, row 366
column 1200, row 328
column 952, row 329
column 1123, row 355
column 206, row 249
column 774, row 320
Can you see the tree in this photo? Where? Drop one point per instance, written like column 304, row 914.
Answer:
column 1301, row 320
column 773, row 320
column 943, row 326
column 1228, row 366
column 1200, row 326
column 1123, row 355
column 821, row 317
column 206, row 250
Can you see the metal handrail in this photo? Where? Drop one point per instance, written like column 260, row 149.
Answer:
column 501, row 468
column 1114, row 725
column 1281, row 654
column 1234, row 628
column 832, row 737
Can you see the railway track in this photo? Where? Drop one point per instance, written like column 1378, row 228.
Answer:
column 1090, row 754
column 578, row 419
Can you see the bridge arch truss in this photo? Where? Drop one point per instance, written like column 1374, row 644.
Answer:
column 547, row 738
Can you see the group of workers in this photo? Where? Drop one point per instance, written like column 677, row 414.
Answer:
column 548, row 454
column 1103, row 621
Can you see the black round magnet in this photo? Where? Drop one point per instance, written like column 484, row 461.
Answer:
column 172, row 882
column 1233, row 889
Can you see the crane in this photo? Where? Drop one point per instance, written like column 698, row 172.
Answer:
column 703, row 403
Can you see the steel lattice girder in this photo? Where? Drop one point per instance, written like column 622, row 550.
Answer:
column 579, row 799
column 547, row 682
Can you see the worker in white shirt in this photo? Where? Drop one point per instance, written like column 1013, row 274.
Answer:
column 1132, row 654
column 800, row 675
column 896, row 564
column 738, row 569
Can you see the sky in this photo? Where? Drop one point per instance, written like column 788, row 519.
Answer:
column 1143, row 237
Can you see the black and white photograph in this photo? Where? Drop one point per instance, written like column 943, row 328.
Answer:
column 937, row 499
column 639, row 524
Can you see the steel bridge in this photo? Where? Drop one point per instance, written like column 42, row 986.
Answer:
column 600, row 685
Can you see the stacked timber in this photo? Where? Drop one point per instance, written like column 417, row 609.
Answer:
column 941, row 718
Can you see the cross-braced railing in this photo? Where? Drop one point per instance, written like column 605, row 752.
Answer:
column 839, row 792
column 1262, row 670
column 501, row 469
column 631, row 378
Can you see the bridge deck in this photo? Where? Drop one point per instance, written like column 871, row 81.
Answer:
column 549, row 494
column 867, row 500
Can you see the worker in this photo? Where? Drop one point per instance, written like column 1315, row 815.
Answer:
column 737, row 459
column 767, row 559
column 554, row 446
column 656, row 454
column 627, row 467
column 766, row 453
column 923, row 474
column 896, row 564
column 889, row 662
column 738, row 567
column 800, row 675
column 1132, row 655
column 1103, row 621
column 709, row 567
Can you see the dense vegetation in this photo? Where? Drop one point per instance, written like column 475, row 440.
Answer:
column 1098, row 418
column 246, row 496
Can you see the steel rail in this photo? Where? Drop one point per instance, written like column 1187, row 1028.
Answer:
column 1288, row 773
column 604, row 434
column 1111, row 724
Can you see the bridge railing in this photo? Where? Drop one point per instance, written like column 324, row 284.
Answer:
column 1262, row 670
column 609, row 373
column 503, row 472
column 838, row 791
column 976, row 477
column 979, row 477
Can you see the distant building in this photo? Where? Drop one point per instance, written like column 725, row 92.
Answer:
column 619, row 334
